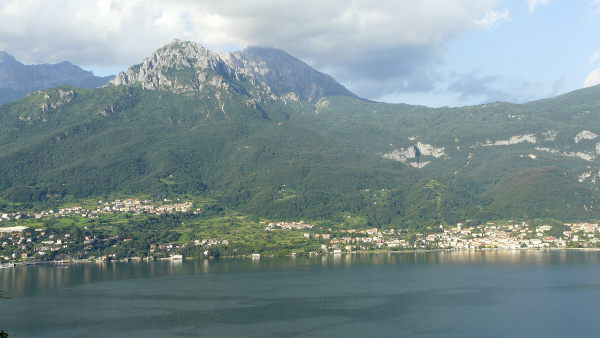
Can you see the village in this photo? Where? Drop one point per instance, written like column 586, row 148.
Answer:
column 510, row 236
column 25, row 245
column 132, row 206
column 20, row 243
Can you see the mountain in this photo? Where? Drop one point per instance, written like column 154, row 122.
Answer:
column 550, row 187
column 18, row 80
column 285, row 73
column 184, row 66
column 263, row 133
column 488, row 148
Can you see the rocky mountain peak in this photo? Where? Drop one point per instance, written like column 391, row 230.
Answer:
column 285, row 73
column 186, row 54
column 184, row 66
column 180, row 66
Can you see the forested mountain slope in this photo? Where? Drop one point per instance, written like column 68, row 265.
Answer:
column 187, row 120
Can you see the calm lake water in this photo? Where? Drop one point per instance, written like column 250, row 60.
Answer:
column 457, row 294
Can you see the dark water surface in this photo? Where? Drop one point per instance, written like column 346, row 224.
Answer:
column 456, row 294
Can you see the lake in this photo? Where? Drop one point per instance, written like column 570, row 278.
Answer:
column 429, row 294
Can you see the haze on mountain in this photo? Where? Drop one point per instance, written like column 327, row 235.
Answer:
column 262, row 132
column 18, row 80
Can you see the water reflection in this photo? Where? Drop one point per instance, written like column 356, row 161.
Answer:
column 35, row 280
column 530, row 257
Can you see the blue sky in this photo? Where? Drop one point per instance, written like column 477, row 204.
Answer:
column 428, row 52
column 529, row 56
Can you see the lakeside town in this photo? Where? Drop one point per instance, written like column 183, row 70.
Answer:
column 510, row 236
column 26, row 244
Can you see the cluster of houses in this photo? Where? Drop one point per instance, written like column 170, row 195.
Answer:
column 507, row 236
column 211, row 242
column 289, row 225
column 144, row 206
column 19, row 243
column 513, row 236
column 588, row 234
column 360, row 239
column 10, row 216
column 132, row 206
column 25, row 243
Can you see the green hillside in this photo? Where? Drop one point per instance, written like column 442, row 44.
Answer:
column 130, row 141
column 540, row 192
column 483, row 146
column 216, row 131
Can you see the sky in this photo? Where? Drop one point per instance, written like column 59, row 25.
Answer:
column 427, row 52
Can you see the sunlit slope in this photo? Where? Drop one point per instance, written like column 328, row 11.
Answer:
column 189, row 121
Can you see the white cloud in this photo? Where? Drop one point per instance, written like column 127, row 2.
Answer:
column 592, row 79
column 533, row 4
column 595, row 56
column 493, row 18
column 389, row 41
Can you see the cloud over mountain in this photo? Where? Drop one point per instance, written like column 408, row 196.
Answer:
column 391, row 45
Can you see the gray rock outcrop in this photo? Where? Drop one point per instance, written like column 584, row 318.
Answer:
column 184, row 66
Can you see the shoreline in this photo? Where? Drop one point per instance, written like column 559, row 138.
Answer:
column 251, row 257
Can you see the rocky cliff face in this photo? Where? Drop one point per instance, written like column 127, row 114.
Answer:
column 184, row 66
column 179, row 67
column 17, row 79
column 285, row 74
